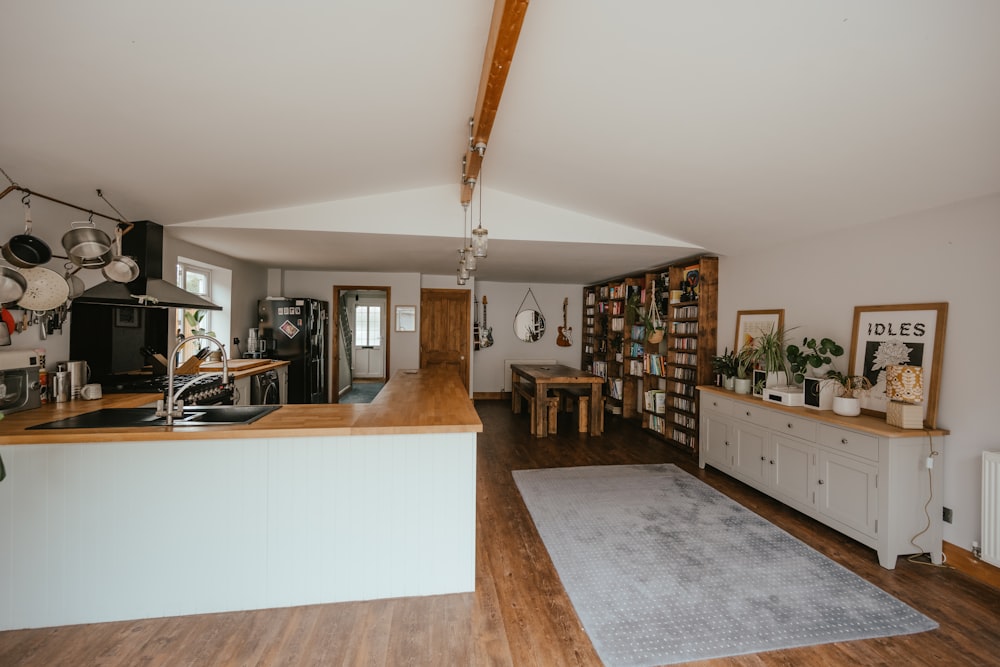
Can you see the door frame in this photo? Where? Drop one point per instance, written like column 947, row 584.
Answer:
column 335, row 333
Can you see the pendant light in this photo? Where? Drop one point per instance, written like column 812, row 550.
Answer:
column 480, row 237
column 470, row 257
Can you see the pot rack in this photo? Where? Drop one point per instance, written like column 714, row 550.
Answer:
column 126, row 226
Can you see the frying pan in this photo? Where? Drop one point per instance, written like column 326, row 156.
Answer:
column 120, row 269
column 46, row 289
column 76, row 285
column 12, row 285
column 25, row 250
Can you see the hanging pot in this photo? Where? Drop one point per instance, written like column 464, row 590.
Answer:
column 73, row 281
column 46, row 289
column 25, row 250
column 12, row 285
column 121, row 269
column 87, row 246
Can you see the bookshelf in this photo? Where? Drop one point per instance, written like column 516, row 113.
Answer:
column 655, row 382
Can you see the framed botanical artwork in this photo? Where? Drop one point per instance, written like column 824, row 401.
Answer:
column 901, row 335
column 752, row 323
column 406, row 318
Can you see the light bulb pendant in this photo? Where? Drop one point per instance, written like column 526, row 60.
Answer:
column 480, row 240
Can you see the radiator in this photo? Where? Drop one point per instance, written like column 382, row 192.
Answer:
column 507, row 363
column 991, row 508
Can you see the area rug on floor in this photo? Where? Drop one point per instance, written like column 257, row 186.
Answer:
column 662, row 568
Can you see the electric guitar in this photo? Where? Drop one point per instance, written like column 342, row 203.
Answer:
column 487, row 330
column 565, row 333
column 475, row 326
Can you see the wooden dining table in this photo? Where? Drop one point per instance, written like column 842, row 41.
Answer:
column 548, row 376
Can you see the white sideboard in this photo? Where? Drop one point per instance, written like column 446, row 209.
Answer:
column 858, row 475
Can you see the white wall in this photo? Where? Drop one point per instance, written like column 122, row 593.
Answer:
column 504, row 302
column 947, row 254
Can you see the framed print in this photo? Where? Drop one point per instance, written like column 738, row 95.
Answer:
column 752, row 323
column 406, row 318
column 906, row 335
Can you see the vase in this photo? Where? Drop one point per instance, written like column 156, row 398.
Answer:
column 728, row 381
column 846, row 407
column 741, row 385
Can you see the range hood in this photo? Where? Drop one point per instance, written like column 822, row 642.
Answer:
column 144, row 242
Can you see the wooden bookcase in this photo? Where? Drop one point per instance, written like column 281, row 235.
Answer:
column 655, row 382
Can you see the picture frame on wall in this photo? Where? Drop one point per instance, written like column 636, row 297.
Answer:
column 906, row 334
column 752, row 323
column 406, row 318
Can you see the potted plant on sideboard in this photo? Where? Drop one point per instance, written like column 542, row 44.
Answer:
column 812, row 357
column 850, row 388
column 746, row 359
column 770, row 347
column 725, row 366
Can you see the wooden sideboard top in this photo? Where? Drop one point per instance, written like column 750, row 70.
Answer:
column 867, row 423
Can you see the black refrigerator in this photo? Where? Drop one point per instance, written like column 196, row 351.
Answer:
column 295, row 330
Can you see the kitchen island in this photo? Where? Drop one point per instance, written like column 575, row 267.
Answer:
column 310, row 504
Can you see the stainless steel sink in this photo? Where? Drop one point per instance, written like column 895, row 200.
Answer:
column 209, row 415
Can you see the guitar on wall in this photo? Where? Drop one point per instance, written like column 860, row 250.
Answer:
column 475, row 326
column 487, row 331
column 565, row 333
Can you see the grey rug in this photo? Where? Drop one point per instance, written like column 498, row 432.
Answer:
column 662, row 568
column 362, row 392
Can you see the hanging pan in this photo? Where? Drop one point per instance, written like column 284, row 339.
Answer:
column 120, row 269
column 12, row 285
column 46, row 289
column 25, row 250
column 87, row 246
column 73, row 281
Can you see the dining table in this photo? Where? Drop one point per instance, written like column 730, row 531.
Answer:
column 549, row 376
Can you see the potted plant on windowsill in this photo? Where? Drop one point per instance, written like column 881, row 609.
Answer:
column 812, row 357
column 851, row 387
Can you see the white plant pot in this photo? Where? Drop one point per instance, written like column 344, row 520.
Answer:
column 742, row 385
column 728, row 381
column 776, row 379
column 846, row 407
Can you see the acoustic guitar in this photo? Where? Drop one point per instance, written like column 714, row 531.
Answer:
column 487, row 330
column 565, row 333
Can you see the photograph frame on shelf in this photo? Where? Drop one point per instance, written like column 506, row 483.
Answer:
column 749, row 323
column 907, row 334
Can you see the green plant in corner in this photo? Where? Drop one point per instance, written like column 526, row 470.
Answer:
column 811, row 355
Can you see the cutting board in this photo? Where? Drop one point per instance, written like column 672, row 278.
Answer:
column 234, row 364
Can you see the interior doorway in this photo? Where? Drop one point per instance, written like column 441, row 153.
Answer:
column 359, row 328
column 445, row 330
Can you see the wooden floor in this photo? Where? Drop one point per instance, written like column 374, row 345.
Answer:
column 519, row 614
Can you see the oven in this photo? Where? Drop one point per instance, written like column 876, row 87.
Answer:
column 195, row 389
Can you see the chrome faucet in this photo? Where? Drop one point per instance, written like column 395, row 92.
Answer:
column 169, row 406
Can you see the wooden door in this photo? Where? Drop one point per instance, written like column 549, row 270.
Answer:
column 445, row 330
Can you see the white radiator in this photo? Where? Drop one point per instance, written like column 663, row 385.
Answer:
column 991, row 508
column 507, row 363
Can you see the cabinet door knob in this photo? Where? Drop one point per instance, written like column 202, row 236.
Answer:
column 821, row 482
column 789, row 426
column 763, row 458
column 748, row 413
column 772, row 462
column 843, row 441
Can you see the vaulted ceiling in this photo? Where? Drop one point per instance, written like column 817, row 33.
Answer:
column 330, row 134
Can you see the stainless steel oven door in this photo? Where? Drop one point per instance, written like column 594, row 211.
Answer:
column 19, row 389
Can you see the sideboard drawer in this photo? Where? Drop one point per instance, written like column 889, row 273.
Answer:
column 851, row 442
column 791, row 425
column 717, row 404
column 753, row 414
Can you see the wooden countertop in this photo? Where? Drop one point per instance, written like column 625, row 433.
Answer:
column 241, row 368
column 865, row 423
column 424, row 401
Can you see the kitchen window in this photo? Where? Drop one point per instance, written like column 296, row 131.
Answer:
column 197, row 280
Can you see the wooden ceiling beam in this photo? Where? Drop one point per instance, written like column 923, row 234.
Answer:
column 505, row 28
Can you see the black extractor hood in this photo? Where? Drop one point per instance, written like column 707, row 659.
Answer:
column 144, row 242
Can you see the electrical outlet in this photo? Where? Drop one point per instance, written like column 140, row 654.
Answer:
column 946, row 514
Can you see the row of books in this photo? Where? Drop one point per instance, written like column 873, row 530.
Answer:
column 685, row 312
column 685, row 358
column 614, row 388
column 685, row 404
column 683, row 327
column 684, row 343
column 635, row 367
column 681, row 388
column 655, row 400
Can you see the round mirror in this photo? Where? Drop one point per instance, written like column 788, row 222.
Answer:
column 529, row 325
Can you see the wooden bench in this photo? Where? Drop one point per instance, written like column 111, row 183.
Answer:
column 526, row 391
column 576, row 398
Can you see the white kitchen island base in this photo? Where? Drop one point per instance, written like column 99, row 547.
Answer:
column 126, row 530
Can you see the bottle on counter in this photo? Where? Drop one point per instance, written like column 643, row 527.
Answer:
column 43, row 377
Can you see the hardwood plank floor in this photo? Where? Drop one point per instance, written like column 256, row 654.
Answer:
column 519, row 615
